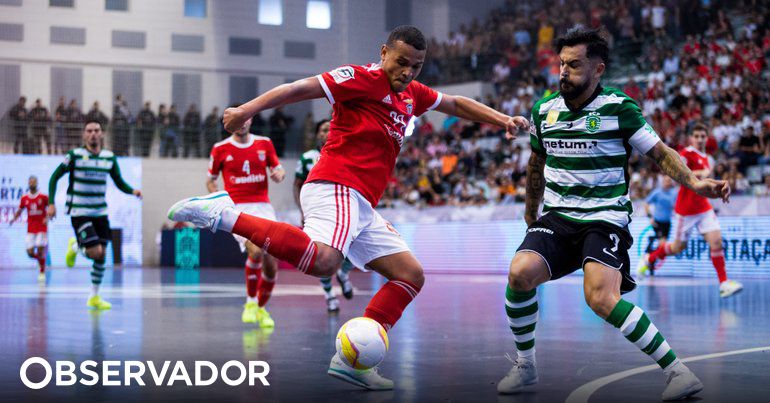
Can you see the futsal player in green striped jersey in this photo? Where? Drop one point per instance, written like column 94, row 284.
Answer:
column 88, row 168
column 582, row 137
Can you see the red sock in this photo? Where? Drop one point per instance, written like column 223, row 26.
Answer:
column 660, row 253
column 283, row 241
column 253, row 271
column 388, row 304
column 718, row 259
column 41, row 259
column 265, row 290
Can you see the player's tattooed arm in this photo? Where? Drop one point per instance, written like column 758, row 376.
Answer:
column 669, row 162
column 535, row 187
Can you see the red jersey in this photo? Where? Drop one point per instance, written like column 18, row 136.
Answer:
column 35, row 205
column 689, row 202
column 244, row 167
column 368, row 126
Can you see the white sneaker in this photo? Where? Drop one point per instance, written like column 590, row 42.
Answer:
column 523, row 373
column 681, row 383
column 202, row 211
column 368, row 378
column 332, row 304
column 729, row 287
column 643, row 267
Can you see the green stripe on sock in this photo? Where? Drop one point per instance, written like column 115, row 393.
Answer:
column 515, row 313
column 654, row 344
column 620, row 313
column 518, row 296
column 526, row 345
column 640, row 329
column 667, row 359
column 518, row 331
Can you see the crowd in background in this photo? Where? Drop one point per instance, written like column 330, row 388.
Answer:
column 35, row 130
column 684, row 62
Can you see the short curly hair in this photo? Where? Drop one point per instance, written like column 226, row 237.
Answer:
column 596, row 45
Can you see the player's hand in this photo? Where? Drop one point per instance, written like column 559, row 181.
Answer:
column 137, row 193
column 234, row 118
column 277, row 175
column 514, row 125
column 50, row 211
column 713, row 189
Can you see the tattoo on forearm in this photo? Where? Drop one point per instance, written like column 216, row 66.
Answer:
column 535, row 185
column 670, row 163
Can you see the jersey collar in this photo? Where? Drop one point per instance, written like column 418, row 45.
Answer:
column 590, row 99
column 243, row 145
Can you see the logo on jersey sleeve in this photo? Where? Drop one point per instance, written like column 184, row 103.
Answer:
column 342, row 74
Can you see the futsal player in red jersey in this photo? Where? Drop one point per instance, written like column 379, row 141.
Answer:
column 373, row 106
column 691, row 211
column 37, row 224
column 243, row 160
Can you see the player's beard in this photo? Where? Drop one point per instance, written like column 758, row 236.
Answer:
column 33, row 189
column 572, row 90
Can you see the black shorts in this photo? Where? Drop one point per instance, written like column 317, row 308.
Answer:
column 91, row 231
column 661, row 228
column 567, row 245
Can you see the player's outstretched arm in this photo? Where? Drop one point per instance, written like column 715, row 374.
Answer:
column 120, row 183
column 535, row 187
column 669, row 162
column 469, row 109
column 284, row 94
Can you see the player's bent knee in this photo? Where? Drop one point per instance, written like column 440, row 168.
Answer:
column 601, row 302
column 31, row 252
column 327, row 261
column 413, row 274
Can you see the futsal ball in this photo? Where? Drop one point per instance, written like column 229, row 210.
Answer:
column 362, row 343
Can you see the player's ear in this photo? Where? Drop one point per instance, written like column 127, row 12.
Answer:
column 383, row 51
column 600, row 67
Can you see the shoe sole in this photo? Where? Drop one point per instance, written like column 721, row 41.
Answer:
column 738, row 291
column 341, row 375
column 519, row 389
column 175, row 208
column 684, row 395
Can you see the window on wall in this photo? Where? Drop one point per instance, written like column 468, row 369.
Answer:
column 116, row 5
column 397, row 12
column 195, row 8
column 61, row 3
column 319, row 15
column 270, row 12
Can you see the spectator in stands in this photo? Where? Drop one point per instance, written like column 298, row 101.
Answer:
column 279, row 126
column 120, row 127
column 169, row 142
column 40, row 120
column 749, row 150
column 212, row 129
column 192, row 132
column 174, row 129
column 60, row 127
column 145, row 127
column 74, row 125
column 18, row 117
column 96, row 114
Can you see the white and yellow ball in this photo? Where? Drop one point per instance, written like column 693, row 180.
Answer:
column 362, row 343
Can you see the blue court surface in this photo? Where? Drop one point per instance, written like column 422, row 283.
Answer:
column 449, row 346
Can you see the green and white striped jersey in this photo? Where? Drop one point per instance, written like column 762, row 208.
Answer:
column 587, row 152
column 306, row 162
column 87, row 181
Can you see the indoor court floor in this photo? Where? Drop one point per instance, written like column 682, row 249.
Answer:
column 449, row 346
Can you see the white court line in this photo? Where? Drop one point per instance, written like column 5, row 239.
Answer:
column 583, row 393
